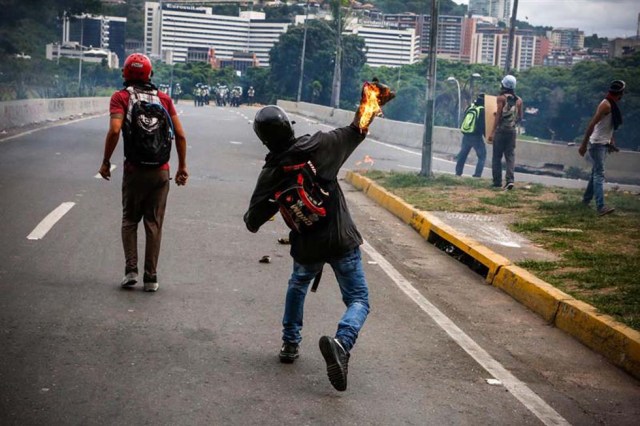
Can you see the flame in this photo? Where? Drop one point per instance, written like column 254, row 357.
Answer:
column 370, row 106
column 366, row 160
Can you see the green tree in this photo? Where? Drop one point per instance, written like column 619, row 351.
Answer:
column 319, row 63
column 259, row 78
column 283, row 12
column 27, row 26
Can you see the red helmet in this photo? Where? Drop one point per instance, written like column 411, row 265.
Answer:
column 137, row 67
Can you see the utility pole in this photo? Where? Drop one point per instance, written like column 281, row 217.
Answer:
column 337, row 69
column 512, row 33
column 81, row 55
column 427, row 140
column 304, row 48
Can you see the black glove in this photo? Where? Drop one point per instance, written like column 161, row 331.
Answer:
column 374, row 95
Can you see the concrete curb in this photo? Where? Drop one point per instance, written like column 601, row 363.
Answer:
column 617, row 342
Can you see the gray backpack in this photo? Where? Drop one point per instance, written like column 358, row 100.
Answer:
column 509, row 112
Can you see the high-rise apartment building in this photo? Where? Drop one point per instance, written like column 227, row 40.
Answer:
column 566, row 38
column 451, row 30
column 189, row 30
column 490, row 46
column 387, row 46
column 450, row 36
column 100, row 32
column 500, row 9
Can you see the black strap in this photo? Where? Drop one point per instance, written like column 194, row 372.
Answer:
column 316, row 281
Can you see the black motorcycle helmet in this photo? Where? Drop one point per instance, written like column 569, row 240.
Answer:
column 273, row 127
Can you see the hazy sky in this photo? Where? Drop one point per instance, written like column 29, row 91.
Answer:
column 607, row 18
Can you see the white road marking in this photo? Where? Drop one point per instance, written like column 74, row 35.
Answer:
column 97, row 176
column 518, row 389
column 235, row 143
column 47, row 223
column 388, row 145
column 409, row 167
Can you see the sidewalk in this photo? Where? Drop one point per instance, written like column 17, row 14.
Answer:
column 617, row 342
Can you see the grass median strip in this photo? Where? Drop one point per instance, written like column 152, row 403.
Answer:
column 599, row 257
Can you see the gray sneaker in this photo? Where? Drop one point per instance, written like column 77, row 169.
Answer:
column 129, row 280
column 605, row 210
column 151, row 286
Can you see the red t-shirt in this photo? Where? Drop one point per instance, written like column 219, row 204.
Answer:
column 120, row 103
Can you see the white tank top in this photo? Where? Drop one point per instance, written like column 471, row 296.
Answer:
column 603, row 131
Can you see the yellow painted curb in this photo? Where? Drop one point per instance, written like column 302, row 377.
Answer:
column 425, row 223
column 617, row 342
column 537, row 295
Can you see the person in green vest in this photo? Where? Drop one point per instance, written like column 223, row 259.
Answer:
column 472, row 129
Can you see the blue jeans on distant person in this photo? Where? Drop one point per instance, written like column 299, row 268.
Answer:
column 468, row 142
column 595, row 188
column 355, row 295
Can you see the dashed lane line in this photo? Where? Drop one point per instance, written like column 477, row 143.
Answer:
column 518, row 389
column 51, row 219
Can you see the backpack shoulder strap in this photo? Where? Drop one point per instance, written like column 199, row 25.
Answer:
column 133, row 98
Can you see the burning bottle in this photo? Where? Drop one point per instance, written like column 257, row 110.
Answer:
column 374, row 96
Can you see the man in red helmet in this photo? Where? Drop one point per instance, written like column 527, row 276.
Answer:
column 145, row 181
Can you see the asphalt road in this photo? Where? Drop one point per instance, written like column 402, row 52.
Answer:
column 440, row 347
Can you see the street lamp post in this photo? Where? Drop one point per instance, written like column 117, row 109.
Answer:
column 81, row 55
column 474, row 75
column 427, row 137
column 452, row 78
column 400, row 64
column 304, row 48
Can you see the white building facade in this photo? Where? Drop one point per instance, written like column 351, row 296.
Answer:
column 566, row 38
column 181, row 28
column 491, row 48
column 500, row 9
column 389, row 47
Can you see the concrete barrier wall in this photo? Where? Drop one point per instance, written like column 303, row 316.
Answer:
column 621, row 167
column 33, row 111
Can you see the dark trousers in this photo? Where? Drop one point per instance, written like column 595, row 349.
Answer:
column 468, row 142
column 504, row 144
column 144, row 197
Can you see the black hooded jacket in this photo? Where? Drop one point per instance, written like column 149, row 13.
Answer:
column 328, row 151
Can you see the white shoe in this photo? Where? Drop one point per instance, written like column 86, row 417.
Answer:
column 129, row 280
column 151, row 286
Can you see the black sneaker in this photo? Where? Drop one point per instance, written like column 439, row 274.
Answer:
column 508, row 186
column 289, row 352
column 337, row 359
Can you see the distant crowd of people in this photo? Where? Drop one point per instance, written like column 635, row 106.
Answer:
column 203, row 94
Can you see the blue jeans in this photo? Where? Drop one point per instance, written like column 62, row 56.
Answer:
column 468, row 142
column 595, row 188
column 355, row 295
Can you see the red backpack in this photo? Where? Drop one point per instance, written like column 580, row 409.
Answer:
column 302, row 200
